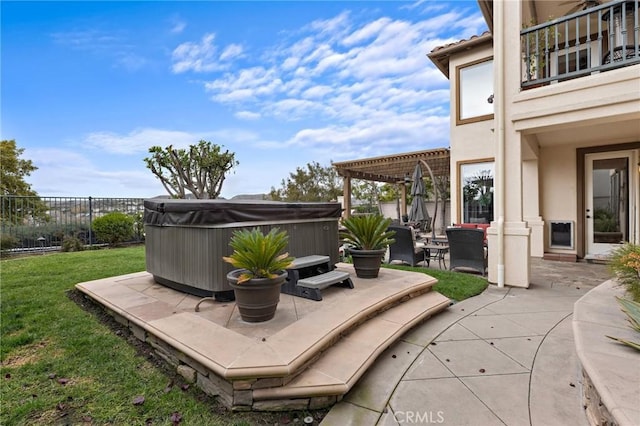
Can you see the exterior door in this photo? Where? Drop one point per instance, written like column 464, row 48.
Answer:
column 611, row 197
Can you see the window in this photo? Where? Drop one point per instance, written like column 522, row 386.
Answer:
column 573, row 62
column 476, row 192
column 475, row 87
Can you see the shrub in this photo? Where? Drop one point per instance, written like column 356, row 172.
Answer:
column 113, row 228
column 138, row 226
column 70, row 243
column 604, row 221
column 632, row 309
column 625, row 265
column 7, row 242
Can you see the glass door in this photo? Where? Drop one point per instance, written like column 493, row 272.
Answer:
column 607, row 201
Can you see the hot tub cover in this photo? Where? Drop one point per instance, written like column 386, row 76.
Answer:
column 167, row 212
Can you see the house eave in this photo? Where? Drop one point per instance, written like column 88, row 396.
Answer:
column 440, row 56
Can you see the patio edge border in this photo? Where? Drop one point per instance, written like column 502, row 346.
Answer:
column 611, row 376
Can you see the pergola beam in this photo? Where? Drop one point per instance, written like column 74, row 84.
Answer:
column 393, row 169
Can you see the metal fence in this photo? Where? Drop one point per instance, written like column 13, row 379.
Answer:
column 41, row 223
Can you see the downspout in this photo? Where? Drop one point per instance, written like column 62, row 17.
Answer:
column 499, row 65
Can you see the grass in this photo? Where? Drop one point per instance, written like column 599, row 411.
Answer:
column 61, row 365
column 454, row 285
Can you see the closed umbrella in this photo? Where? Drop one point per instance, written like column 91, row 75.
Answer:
column 418, row 211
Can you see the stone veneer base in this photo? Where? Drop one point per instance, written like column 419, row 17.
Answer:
column 269, row 389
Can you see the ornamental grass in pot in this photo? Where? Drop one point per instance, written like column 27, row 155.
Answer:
column 262, row 262
column 368, row 237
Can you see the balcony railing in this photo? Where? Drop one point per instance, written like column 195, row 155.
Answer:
column 593, row 40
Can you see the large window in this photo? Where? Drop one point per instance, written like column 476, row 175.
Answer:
column 475, row 88
column 476, row 192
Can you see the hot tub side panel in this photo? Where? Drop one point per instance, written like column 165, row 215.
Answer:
column 190, row 257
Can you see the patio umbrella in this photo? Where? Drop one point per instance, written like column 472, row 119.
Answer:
column 418, row 212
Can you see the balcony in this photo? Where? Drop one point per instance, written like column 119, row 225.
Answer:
column 590, row 41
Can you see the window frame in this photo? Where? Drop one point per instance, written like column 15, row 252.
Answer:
column 459, row 70
column 460, row 184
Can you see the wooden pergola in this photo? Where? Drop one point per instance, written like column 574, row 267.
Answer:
column 393, row 169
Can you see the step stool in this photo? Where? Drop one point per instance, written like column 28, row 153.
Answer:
column 310, row 274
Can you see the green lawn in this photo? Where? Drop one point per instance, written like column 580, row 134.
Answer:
column 455, row 285
column 61, row 365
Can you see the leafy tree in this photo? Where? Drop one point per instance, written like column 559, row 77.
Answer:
column 388, row 192
column 313, row 183
column 201, row 169
column 13, row 171
column 367, row 191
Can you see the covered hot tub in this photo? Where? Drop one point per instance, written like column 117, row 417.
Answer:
column 186, row 239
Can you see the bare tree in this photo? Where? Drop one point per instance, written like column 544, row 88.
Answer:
column 200, row 169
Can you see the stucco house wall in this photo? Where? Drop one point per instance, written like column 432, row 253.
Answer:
column 541, row 139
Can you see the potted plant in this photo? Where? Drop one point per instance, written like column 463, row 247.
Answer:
column 262, row 263
column 536, row 47
column 368, row 237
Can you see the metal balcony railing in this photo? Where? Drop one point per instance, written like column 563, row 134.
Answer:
column 593, row 40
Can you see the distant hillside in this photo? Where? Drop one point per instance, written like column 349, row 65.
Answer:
column 249, row 197
column 236, row 197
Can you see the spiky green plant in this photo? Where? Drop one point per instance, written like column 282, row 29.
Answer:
column 367, row 232
column 632, row 309
column 624, row 263
column 260, row 255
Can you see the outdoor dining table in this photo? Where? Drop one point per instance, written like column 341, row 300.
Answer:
column 438, row 247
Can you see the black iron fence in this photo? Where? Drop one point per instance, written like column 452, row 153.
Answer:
column 42, row 223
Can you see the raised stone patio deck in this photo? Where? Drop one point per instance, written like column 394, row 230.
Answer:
column 307, row 357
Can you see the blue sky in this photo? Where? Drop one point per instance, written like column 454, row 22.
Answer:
column 88, row 87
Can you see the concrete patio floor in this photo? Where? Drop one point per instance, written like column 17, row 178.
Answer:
column 505, row 357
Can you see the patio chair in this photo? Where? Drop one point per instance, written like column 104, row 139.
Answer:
column 466, row 249
column 405, row 249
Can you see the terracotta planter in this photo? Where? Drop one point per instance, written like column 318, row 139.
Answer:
column 367, row 262
column 258, row 298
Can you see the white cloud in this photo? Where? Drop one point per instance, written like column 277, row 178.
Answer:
column 92, row 39
column 247, row 84
column 197, row 57
column 178, row 27
column 353, row 87
column 140, row 140
column 293, row 109
column 131, row 61
column 334, row 27
column 231, row 51
column 116, row 45
column 68, row 173
column 316, row 91
column 368, row 31
column 247, row 115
